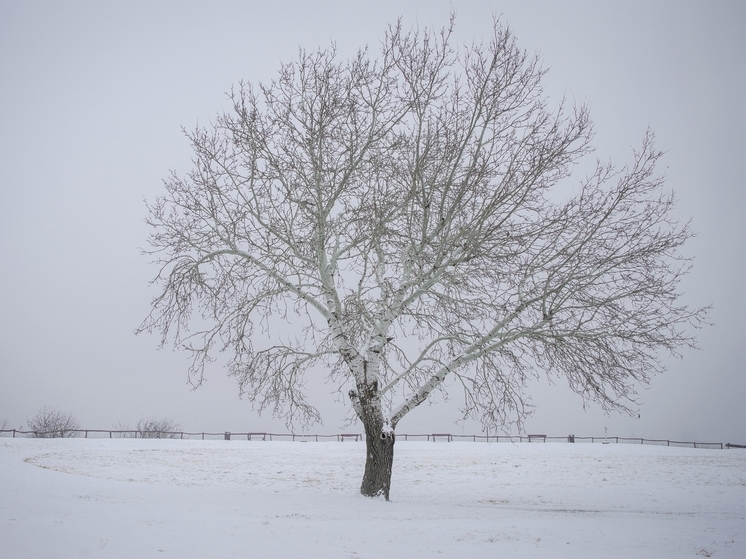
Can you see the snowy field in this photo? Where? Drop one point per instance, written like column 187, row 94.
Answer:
column 223, row 499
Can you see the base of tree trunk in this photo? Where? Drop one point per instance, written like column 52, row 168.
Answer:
column 378, row 462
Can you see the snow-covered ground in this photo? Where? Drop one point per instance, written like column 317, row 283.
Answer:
column 222, row 499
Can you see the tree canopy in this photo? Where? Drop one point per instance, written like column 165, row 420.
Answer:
column 401, row 212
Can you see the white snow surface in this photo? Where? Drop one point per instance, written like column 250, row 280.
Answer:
column 186, row 498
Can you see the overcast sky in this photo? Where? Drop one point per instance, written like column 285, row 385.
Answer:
column 93, row 96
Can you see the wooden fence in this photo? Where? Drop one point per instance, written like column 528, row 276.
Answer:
column 204, row 435
column 342, row 437
column 568, row 439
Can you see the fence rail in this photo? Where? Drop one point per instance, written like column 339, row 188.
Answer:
column 342, row 437
column 135, row 434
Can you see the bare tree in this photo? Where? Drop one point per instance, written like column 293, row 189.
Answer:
column 49, row 423
column 154, row 428
column 3, row 423
column 402, row 214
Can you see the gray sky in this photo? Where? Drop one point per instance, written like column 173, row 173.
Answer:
column 92, row 98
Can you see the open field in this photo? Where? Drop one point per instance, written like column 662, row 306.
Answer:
column 186, row 498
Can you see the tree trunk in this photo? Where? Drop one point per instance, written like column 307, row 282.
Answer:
column 379, row 441
column 378, row 462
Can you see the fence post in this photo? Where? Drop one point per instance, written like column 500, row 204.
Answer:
column 227, row 435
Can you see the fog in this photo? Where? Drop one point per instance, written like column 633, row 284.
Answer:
column 92, row 100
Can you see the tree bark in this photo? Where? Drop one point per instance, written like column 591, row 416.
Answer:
column 379, row 442
column 378, row 462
